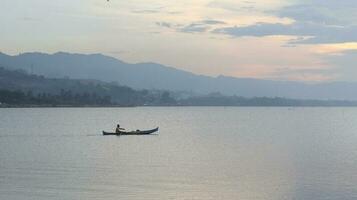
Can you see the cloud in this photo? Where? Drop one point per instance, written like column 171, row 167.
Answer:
column 212, row 22
column 308, row 13
column 30, row 19
column 257, row 30
column 344, row 64
column 198, row 26
column 158, row 10
column 165, row 24
column 314, row 22
column 340, row 67
column 194, row 27
column 337, row 4
column 118, row 52
column 314, row 33
column 234, row 6
column 145, row 11
column 321, row 11
column 190, row 28
column 174, row 12
column 306, row 74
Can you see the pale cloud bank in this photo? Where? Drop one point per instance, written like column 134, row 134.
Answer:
column 279, row 39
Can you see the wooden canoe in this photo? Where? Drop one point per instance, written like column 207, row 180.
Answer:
column 137, row 132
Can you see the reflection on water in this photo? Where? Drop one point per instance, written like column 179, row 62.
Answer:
column 200, row 153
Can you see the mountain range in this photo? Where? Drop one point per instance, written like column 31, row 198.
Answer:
column 157, row 76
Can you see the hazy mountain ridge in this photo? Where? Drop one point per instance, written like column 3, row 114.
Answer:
column 19, row 89
column 100, row 67
column 156, row 76
column 72, row 91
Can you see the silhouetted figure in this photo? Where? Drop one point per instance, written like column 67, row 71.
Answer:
column 117, row 130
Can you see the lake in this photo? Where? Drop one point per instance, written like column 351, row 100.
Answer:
column 252, row 153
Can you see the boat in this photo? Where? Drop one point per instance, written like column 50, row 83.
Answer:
column 137, row 132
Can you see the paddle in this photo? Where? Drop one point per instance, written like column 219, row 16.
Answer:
column 121, row 129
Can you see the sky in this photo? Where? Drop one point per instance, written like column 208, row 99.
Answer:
column 304, row 40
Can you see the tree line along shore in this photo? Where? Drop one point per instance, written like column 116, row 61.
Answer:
column 20, row 89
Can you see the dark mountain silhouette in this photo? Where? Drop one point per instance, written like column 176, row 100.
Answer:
column 156, row 76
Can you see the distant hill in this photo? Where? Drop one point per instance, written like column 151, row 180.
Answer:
column 19, row 89
column 156, row 76
column 83, row 91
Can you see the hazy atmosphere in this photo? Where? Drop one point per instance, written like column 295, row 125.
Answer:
column 178, row 100
column 301, row 40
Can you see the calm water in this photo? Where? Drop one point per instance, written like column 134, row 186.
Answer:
column 199, row 153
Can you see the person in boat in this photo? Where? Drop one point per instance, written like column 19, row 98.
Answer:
column 117, row 130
